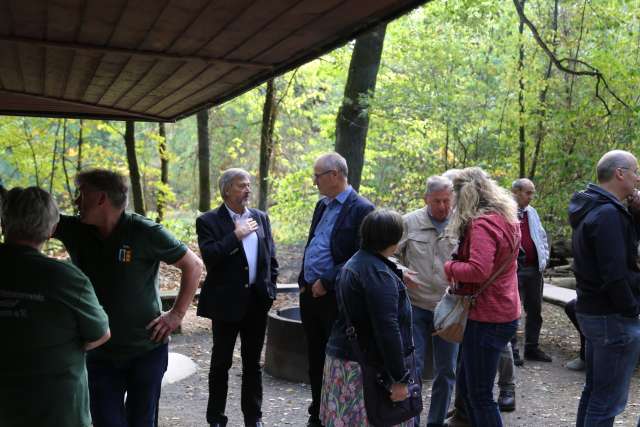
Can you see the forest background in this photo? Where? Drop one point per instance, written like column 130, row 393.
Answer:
column 542, row 93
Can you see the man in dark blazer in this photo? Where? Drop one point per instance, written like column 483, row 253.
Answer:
column 238, row 251
column 333, row 239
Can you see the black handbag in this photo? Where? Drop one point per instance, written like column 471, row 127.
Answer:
column 381, row 410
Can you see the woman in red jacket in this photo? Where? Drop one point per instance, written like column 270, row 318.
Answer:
column 486, row 222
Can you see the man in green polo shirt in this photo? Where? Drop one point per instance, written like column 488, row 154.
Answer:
column 121, row 254
column 49, row 317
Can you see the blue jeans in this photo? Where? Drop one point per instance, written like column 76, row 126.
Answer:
column 140, row 378
column 481, row 348
column 445, row 355
column 612, row 351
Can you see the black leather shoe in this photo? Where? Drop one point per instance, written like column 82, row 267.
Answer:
column 517, row 360
column 314, row 422
column 507, row 401
column 254, row 424
column 218, row 424
column 537, row 355
column 457, row 420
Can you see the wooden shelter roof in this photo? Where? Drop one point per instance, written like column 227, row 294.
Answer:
column 163, row 59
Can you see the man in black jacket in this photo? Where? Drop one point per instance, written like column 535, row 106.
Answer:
column 333, row 239
column 605, row 242
column 238, row 251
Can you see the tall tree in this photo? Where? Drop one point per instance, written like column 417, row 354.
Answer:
column 54, row 155
column 542, row 97
column 80, row 143
column 64, row 161
column 521, row 116
column 134, row 170
column 164, row 172
column 204, row 203
column 269, row 113
column 352, row 123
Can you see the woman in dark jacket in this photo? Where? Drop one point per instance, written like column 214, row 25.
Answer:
column 372, row 292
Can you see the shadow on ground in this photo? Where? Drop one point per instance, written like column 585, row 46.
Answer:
column 547, row 393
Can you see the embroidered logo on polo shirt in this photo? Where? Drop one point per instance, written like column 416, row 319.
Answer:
column 11, row 303
column 125, row 254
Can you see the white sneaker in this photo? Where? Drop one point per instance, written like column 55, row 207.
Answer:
column 576, row 364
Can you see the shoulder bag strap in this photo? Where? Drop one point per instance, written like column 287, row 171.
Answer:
column 352, row 336
column 496, row 273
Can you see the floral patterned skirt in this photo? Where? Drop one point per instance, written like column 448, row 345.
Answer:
column 342, row 401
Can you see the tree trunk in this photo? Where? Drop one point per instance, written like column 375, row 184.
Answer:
column 164, row 172
column 203, row 161
column 134, row 171
column 34, row 157
column 353, row 117
column 269, row 113
column 80, row 141
column 521, row 130
column 446, row 148
column 64, row 163
column 54, row 157
column 540, row 131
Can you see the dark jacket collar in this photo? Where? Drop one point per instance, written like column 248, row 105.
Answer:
column 582, row 202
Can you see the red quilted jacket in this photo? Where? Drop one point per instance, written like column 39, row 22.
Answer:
column 489, row 241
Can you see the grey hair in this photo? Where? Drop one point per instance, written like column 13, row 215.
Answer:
column 30, row 214
column 611, row 161
column 438, row 183
column 334, row 161
column 227, row 178
column 519, row 183
column 451, row 174
column 112, row 183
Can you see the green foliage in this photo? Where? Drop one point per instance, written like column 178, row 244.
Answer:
column 182, row 225
column 447, row 96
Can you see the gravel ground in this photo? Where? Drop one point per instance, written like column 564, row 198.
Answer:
column 547, row 393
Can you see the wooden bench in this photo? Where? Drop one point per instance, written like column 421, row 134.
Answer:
column 557, row 295
column 168, row 297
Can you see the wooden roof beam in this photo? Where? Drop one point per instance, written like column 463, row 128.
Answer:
column 116, row 112
column 132, row 52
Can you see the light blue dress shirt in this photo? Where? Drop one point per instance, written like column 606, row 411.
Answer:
column 317, row 256
column 249, row 243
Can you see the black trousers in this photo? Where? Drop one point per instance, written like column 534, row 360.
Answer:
column 570, row 310
column 252, row 330
column 318, row 315
column 530, row 288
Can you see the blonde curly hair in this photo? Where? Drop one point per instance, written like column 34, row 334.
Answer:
column 476, row 195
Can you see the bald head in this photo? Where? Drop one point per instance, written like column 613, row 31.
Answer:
column 612, row 161
column 330, row 174
column 523, row 191
column 521, row 183
column 333, row 161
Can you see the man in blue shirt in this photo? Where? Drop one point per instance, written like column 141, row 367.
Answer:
column 333, row 239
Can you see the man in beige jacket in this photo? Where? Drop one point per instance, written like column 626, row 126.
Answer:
column 423, row 250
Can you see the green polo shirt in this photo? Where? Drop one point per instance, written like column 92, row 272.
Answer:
column 48, row 311
column 123, row 269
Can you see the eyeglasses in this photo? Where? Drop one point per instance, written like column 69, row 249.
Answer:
column 318, row 175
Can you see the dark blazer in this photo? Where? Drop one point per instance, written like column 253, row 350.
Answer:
column 370, row 288
column 225, row 291
column 345, row 237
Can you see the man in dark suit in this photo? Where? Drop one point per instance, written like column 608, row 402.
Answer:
column 238, row 251
column 333, row 239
